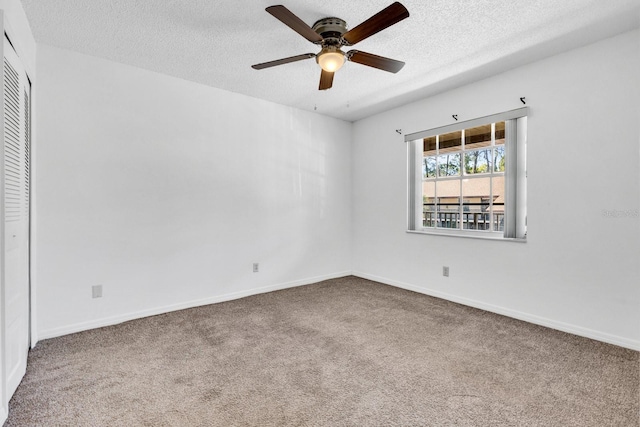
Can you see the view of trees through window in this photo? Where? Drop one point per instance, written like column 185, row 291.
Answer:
column 463, row 179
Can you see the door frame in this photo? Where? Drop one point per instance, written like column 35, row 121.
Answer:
column 5, row 29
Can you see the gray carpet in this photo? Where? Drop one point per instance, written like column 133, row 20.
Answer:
column 344, row 352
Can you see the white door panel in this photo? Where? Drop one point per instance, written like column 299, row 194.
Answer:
column 16, row 218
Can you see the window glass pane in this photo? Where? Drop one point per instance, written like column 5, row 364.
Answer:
column 449, row 164
column 450, row 142
column 463, row 181
column 477, row 137
column 476, row 196
column 499, row 133
column 498, row 203
column 429, row 204
column 498, row 158
column 448, row 215
column 429, row 146
column 429, row 167
column 477, row 161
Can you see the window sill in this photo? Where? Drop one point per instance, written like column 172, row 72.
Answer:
column 469, row 235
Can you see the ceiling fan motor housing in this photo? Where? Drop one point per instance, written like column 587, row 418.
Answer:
column 331, row 30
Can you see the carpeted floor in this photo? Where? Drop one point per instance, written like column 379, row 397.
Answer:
column 345, row 352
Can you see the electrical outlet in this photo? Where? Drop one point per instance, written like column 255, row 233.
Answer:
column 445, row 271
column 96, row 291
column 256, row 267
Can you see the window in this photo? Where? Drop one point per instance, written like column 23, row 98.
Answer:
column 469, row 179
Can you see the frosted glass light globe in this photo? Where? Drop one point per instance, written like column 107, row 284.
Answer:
column 331, row 60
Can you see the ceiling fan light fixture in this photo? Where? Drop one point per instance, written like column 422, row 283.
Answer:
column 331, row 59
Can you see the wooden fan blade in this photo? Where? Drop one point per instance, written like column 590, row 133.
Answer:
column 283, row 61
column 375, row 61
column 326, row 80
column 296, row 24
column 378, row 22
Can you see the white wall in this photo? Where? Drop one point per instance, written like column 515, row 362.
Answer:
column 165, row 192
column 579, row 270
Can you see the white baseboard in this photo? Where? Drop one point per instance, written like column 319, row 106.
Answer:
column 3, row 416
column 114, row 320
column 531, row 318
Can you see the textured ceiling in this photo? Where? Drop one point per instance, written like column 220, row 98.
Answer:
column 444, row 42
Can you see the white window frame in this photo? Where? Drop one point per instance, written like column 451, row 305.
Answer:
column 515, row 220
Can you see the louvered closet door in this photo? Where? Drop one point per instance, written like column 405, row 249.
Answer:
column 16, row 91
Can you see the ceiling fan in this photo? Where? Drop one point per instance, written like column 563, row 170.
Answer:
column 331, row 34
